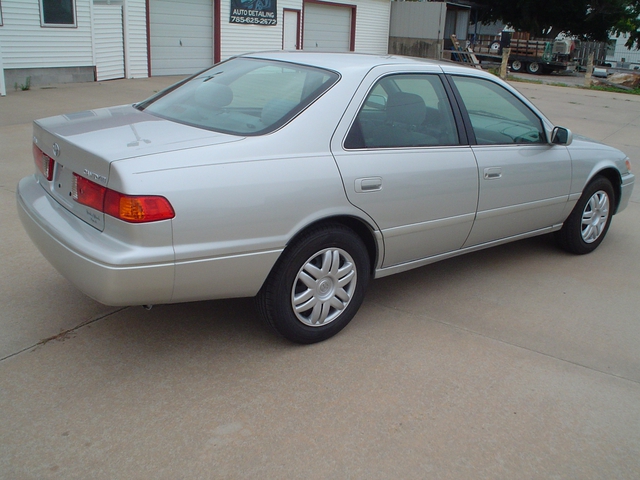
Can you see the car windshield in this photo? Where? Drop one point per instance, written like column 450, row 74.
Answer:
column 242, row 96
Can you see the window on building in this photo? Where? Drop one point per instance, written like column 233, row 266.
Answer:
column 58, row 13
column 1, row 14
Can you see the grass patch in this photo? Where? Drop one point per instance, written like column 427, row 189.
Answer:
column 607, row 88
column 511, row 78
column 23, row 86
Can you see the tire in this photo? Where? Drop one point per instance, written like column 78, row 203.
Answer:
column 516, row 66
column 534, row 68
column 588, row 223
column 317, row 286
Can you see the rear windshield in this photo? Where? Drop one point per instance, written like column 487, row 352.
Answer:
column 242, row 96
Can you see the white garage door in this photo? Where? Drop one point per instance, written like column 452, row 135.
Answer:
column 326, row 28
column 181, row 36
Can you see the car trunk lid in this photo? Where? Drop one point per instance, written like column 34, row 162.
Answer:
column 86, row 143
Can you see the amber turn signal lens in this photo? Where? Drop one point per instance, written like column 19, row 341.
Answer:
column 137, row 209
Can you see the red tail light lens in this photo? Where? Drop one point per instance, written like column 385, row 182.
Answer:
column 44, row 163
column 130, row 208
column 88, row 193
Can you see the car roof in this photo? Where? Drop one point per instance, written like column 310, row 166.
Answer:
column 343, row 61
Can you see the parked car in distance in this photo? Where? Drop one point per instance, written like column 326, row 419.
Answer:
column 298, row 177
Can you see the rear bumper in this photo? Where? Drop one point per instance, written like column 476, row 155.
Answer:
column 100, row 266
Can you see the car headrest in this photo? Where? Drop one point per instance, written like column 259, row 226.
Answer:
column 407, row 108
column 212, row 94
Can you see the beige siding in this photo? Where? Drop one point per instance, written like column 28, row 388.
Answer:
column 372, row 25
column 136, row 38
column 327, row 28
column 181, row 36
column 25, row 44
column 108, row 41
column 239, row 38
column 372, row 29
column 423, row 20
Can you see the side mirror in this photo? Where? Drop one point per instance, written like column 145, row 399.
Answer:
column 561, row 136
column 377, row 102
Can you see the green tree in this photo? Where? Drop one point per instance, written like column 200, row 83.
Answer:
column 630, row 25
column 586, row 19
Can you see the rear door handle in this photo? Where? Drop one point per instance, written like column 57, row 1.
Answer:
column 368, row 184
column 492, row 173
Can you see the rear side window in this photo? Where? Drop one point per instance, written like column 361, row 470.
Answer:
column 497, row 115
column 242, row 96
column 404, row 111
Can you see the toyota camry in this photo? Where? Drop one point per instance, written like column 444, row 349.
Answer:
column 298, row 177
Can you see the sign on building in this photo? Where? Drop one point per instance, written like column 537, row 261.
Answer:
column 254, row 12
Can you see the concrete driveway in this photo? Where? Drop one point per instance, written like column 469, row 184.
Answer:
column 516, row 362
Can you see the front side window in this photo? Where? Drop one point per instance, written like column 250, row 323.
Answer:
column 408, row 110
column 497, row 115
column 242, row 96
column 58, row 13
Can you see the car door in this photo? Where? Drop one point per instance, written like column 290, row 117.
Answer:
column 524, row 181
column 404, row 163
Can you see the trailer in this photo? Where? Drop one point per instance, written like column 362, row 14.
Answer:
column 541, row 56
column 534, row 56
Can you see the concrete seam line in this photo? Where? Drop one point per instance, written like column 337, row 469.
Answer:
column 622, row 128
column 63, row 333
column 473, row 332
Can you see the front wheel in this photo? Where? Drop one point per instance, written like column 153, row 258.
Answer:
column 317, row 286
column 589, row 221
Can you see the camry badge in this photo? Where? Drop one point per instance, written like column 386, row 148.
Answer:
column 95, row 176
column 56, row 150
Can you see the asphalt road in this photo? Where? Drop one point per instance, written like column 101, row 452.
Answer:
column 517, row 362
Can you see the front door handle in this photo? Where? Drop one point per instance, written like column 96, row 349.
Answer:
column 368, row 184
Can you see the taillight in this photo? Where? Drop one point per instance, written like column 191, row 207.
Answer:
column 130, row 208
column 44, row 163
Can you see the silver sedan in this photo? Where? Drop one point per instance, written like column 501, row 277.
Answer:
column 298, row 177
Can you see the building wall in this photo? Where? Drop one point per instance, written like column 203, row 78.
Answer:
column 417, row 28
column 135, row 38
column 27, row 45
column 239, row 38
column 67, row 54
column 422, row 20
column 372, row 28
column 621, row 52
column 64, row 54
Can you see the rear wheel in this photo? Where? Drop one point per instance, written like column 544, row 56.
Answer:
column 516, row 66
column 589, row 221
column 317, row 286
column 534, row 68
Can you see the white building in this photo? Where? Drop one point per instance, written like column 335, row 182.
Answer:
column 55, row 41
column 621, row 56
